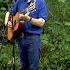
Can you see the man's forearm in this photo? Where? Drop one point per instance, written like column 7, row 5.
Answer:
column 38, row 22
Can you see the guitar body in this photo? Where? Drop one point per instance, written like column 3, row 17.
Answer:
column 15, row 30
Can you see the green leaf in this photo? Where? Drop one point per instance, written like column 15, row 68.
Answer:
column 67, row 23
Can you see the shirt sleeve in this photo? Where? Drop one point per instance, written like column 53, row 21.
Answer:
column 14, row 8
column 42, row 9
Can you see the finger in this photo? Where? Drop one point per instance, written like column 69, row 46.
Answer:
column 21, row 16
column 9, row 24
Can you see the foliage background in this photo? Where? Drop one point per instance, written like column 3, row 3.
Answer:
column 55, row 52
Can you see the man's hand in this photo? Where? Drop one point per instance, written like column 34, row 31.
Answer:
column 9, row 24
column 24, row 17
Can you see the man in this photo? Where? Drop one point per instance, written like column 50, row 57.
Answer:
column 30, row 43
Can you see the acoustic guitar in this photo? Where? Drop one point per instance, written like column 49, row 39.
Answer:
column 14, row 31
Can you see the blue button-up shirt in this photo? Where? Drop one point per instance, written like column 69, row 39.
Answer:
column 41, row 12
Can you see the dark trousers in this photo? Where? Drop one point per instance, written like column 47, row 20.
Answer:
column 29, row 47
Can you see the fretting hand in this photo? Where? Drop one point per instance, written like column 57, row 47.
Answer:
column 9, row 24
